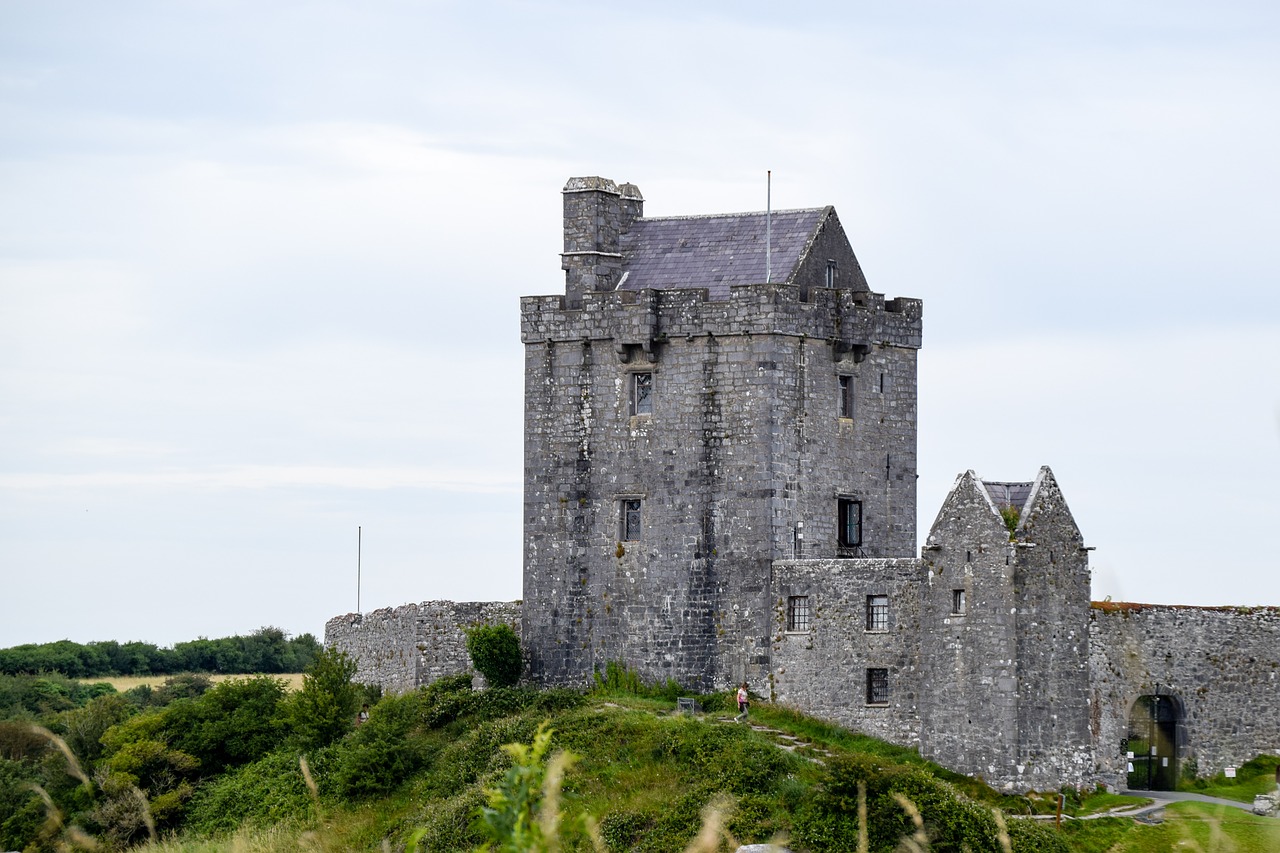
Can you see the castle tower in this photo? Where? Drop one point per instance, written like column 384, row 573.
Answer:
column 687, row 423
column 1005, row 641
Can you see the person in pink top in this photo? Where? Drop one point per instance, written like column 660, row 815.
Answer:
column 743, row 703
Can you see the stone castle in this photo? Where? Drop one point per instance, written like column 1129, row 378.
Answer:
column 720, row 486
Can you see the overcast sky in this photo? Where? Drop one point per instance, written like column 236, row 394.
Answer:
column 260, row 267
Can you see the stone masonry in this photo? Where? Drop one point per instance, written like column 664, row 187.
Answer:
column 739, row 456
column 720, row 485
column 406, row 647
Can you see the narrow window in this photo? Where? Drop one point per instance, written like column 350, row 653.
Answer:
column 831, row 273
column 642, row 393
column 846, row 396
column 630, row 520
column 877, row 613
column 957, row 602
column 798, row 613
column 877, row 687
column 850, row 533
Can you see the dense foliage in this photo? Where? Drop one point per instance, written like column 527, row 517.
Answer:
column 267, row 650
column 495, row 653
column 199, row 761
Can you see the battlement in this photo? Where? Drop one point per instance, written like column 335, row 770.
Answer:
column 848, row 318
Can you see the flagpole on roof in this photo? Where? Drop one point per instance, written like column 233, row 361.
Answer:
column 768, row 226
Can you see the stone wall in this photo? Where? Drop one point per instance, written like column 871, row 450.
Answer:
column 1220, row 665
column 406, row 647
column 823, row 669
column 741, row 461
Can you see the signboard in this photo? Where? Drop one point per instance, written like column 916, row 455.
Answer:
column 1229, row 772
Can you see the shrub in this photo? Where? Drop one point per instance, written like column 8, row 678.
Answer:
column 236, row 722
column 495, row 653
column 268, row 791
column 384, row 751
column 325, row 708
column 829, row 820
column 619, row 678
column 84, row 727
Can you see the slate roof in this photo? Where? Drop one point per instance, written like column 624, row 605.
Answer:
column 1008, row 494
column 715, row 252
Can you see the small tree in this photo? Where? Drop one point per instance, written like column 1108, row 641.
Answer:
column 325, row 708
column 495, row 653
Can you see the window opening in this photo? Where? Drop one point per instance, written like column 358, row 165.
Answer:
column 877, row 686
column 877, row 613
column 850, row 534
column 798, row 613
column 630, row 520
column 846, row 396
column 957, row 602
column 831, row 274
column 642, row 393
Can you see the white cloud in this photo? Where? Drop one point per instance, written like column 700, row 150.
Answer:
column 471, row 479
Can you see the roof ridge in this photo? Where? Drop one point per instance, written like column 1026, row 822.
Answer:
column 726, row 215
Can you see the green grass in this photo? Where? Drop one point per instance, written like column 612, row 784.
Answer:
column 1256, row 776
column 645, row 773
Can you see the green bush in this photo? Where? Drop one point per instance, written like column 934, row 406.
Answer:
column 829, row 820
column 495, row 653
column 236, row 722
column 325, row 708
column 386, row 750
column 271, row 790
column 83, row 728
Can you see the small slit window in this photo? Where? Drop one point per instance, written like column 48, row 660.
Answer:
column 642, row 394
column 798, row 613
column 846, row 396
column 957, row 602
column 850, row 523
column 629, row 520
column 877, row 686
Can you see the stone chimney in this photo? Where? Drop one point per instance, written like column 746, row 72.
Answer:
column 596, row 213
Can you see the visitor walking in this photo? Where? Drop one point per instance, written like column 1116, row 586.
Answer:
column 744, row 702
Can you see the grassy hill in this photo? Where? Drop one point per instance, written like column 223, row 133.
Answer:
column 415, row 776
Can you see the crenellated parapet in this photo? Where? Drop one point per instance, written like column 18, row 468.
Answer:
column 852, row 321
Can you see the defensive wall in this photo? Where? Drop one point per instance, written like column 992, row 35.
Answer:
column 1216, row 668
column 406, row 647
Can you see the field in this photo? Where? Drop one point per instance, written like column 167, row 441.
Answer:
column 126, row 682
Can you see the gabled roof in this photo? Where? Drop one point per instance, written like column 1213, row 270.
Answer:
column 715, row 252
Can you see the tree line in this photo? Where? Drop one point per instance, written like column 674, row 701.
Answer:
column 267, row 650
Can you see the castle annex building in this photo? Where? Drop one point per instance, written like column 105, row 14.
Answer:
column 720, row 485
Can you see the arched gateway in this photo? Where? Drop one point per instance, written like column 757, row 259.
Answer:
column 1155, row 742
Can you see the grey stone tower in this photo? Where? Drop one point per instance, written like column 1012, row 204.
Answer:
column 688, row 422
column 1004, row 659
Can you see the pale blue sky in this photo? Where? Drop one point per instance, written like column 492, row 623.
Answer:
column 260, row 263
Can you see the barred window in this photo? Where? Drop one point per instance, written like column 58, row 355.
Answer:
column 877, row 687
column 629, row 520
column 798, row 613
column 877, row 613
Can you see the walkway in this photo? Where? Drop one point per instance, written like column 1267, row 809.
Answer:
column 1163, row 798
